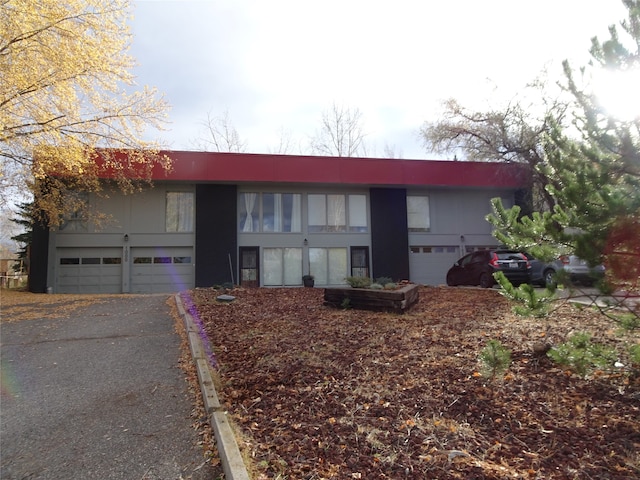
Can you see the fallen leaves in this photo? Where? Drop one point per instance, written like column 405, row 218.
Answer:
column 18, row 305
column 326, row 393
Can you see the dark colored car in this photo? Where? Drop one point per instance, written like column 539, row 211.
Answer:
column 477, row 268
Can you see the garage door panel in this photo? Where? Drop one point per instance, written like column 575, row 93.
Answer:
column 429, row 264
column 161, row 270
column 100, row 270
column 89, row 270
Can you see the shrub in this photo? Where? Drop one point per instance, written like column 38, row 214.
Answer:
column 495, row 358
column 376, row 286
column 384, row 280
column 528, row 301
column 390, row 286
column 358, row 282
column 581, row 355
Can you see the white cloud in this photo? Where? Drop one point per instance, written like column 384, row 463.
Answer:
column 278, row 64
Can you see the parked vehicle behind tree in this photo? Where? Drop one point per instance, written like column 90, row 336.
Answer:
column 477, row 268
column 565, row 269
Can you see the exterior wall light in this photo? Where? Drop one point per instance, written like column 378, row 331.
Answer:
column 306, row 242
column 126, row 237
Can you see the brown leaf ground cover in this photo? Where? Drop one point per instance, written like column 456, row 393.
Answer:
column 318, row 392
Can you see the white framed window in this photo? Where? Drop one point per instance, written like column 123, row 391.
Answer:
column 179, row 212
column 328, row 265
column 269, row 212
column 418, row 215
column 282, row 266
column 337, row 213
column 358, row 213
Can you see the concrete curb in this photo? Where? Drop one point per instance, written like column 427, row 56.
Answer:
column 230, row 457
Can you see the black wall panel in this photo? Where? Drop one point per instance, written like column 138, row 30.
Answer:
column 389, row 233
column 216, row 235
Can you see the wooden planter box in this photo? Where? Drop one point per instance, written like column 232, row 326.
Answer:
column 368, row 299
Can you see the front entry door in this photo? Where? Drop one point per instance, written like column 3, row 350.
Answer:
column 249, row 266
column 360, row 262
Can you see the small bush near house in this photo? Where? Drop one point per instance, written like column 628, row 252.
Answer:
column 359, row 282
column 384, row 280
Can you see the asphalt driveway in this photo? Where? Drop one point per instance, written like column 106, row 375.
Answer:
column 97, row 395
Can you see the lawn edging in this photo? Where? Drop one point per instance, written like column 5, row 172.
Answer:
column 230, row 456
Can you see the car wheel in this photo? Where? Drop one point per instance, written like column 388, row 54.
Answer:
column 450, row 281
column 549, row 277
column 486, row 280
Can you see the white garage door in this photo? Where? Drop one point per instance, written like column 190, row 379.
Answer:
column 161, row 270
column 88, row 270
column 429, row 264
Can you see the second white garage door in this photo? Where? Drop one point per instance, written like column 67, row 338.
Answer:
column 429, row 264
column 161, row 270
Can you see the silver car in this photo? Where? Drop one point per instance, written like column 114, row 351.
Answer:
column 577, row 269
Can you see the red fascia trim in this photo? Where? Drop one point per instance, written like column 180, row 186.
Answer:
column 255, row 168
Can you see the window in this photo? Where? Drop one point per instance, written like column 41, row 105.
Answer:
column 69, row 261
column 269, row 212
column 280, row 212
column 328, row 213
column 74, row 219
column 282, row 266
column 418, row 218
column 357, row 213
column 328, row 265
column 179, row 212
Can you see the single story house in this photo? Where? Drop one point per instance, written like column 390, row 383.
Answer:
column 267, row 220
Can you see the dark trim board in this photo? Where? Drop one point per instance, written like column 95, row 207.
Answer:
column 389, row 233
column 216, row 235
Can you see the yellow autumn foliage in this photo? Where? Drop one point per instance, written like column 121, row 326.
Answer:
column 66, row 89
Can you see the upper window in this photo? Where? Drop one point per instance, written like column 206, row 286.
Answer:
column 337, row 213
column 269, row 212
column 75, row 219
column 418, row 218
column 179, row 213
column 357, row 213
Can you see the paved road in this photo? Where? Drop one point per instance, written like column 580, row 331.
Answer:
column 98, row 395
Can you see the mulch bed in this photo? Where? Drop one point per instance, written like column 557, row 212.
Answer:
column 318, row 392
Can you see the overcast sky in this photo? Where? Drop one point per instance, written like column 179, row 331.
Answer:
column 276, row 65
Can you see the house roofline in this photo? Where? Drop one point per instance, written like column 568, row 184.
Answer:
column 223, row 167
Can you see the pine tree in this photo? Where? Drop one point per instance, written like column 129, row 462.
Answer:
column 596, row 170
column 25, row 219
